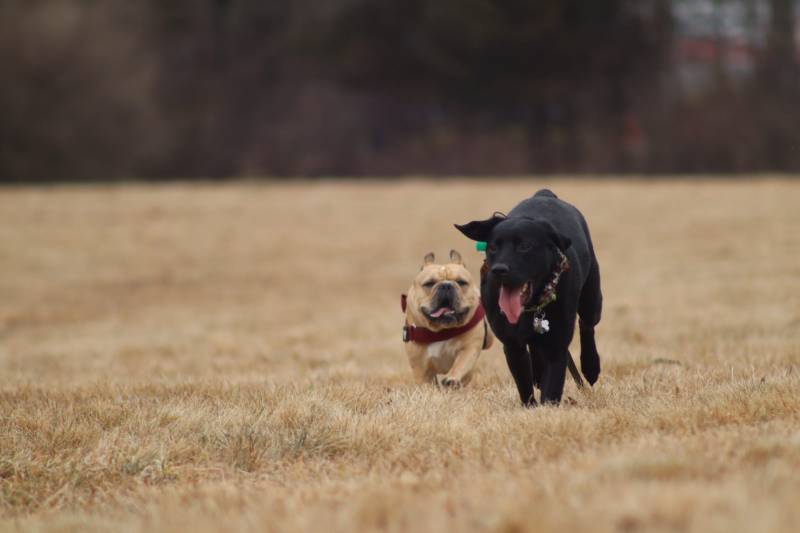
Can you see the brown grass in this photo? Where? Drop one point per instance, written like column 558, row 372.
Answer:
column 203, row 358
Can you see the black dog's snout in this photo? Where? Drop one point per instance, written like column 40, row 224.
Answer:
column 500, row 269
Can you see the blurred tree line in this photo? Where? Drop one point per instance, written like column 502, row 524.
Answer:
column 113, row 89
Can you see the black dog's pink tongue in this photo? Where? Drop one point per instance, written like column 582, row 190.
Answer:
column 511, row 303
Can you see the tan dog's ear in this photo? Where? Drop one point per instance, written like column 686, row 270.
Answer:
column 429, row 258
column 455, row 257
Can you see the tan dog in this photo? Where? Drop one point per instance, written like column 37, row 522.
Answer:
column 445, row 328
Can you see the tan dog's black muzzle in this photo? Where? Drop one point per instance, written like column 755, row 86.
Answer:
column 446, row 295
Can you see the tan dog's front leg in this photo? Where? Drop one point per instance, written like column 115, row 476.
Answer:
column 419, row 364
column 461, row 371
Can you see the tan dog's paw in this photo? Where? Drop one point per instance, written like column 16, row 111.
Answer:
column 443, row 380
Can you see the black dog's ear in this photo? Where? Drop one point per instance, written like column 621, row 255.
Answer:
column 479, row 230
column 559, row 239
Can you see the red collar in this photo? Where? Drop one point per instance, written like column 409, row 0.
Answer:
column 426, row 336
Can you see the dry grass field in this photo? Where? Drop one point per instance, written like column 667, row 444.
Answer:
column 228, row 357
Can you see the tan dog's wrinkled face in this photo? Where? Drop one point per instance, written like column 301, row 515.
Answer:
column 443, row 296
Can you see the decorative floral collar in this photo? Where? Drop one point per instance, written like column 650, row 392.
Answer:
column 548, row 295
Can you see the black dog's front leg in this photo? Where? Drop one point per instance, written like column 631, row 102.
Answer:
column 538, row 366
column 555, row 370
column 519, row 363
column 554, row 349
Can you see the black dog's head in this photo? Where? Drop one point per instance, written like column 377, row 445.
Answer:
column 520, row 255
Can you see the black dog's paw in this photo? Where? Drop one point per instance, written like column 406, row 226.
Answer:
column 531, row 402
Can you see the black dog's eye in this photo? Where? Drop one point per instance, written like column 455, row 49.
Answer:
column 462, row 282
column 492, row 248
column 429, row 284
column 523, row 246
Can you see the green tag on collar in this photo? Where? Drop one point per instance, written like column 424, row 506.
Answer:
column 481, row 246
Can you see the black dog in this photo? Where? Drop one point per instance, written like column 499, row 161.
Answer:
column 540, row 271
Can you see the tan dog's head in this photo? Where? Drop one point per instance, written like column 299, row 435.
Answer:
column 443, row 296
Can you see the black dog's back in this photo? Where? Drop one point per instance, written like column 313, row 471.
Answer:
column 545, row 192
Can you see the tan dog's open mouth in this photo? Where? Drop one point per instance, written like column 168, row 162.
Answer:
column 446, row 314
column 443, row 311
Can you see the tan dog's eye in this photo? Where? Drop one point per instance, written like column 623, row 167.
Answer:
column 462, row 282
column 429, row 284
